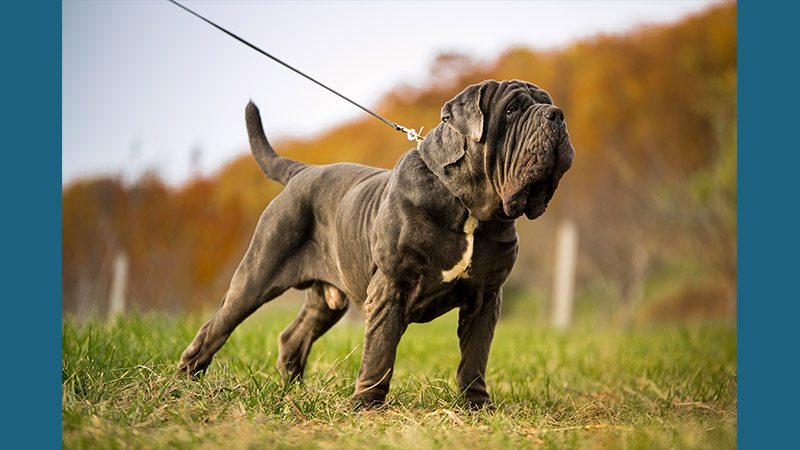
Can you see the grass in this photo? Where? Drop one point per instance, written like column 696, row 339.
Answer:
column 658, row 387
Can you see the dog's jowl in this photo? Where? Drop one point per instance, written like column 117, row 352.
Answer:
column 404, row 245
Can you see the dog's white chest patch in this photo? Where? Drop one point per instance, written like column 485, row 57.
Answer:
column 460, row 269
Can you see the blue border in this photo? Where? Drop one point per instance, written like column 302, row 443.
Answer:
column 768, row 230
column 768, row 226
column 30, row 117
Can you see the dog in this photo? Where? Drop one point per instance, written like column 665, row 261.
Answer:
column 405, row 245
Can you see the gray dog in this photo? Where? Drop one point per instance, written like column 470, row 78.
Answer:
column 403, row 245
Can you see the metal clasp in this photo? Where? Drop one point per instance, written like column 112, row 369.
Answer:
column 412, row 134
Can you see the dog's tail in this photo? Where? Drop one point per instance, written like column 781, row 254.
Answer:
column 274, row 166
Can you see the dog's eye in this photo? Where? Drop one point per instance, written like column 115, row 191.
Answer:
column 511, row 110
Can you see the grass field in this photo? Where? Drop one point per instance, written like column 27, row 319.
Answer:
column 591, row 387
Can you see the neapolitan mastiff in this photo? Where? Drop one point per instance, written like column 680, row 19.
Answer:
column 404, row 245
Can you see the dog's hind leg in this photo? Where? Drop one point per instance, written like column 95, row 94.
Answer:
column 274, row 262
column 324, row 306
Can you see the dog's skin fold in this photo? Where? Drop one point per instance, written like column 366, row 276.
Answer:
column 404, row 245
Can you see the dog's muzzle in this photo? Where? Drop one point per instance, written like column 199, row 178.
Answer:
column 544, row 153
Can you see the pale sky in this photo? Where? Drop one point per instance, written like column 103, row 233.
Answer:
column 145, row 84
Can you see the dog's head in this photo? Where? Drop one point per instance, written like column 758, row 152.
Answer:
column 501, row 148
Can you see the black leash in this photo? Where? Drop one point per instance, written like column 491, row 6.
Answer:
column 410, row 133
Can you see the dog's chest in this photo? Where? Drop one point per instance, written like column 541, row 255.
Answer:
column 461, row 268
column 483, row 267
column 486, row 249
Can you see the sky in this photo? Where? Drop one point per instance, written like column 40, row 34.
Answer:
column 147, row 86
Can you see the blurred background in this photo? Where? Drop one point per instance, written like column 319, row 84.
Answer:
column 160, row 195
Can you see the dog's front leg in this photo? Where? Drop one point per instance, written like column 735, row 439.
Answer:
column 385, row 325
column 476, row 325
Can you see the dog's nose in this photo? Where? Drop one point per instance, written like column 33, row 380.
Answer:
column 554, row 113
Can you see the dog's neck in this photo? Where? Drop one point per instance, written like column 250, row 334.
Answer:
column 446, row 154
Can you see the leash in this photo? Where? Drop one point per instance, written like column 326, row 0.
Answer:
column 411, row 133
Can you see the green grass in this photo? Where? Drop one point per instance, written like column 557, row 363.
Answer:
column 660, row 387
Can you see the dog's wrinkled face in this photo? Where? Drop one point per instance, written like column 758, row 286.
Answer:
column 502, row 149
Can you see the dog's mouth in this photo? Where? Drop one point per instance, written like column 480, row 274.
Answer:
column 530, row 196
column 531, row 200
column 538, row 179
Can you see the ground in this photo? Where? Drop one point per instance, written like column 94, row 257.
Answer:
column 665, row 386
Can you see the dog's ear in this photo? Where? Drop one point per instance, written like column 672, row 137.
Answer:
column 441, row 147
column 463, row 113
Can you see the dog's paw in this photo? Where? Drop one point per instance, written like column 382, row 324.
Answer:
column 187, row 368
column 183, row 372
column 366, row 403
column 191, row 366
column 481, row 405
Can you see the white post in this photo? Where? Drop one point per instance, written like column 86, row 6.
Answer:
column 564, row 274
column 119, row 283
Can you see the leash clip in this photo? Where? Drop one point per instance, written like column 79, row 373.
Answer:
column 412, row 134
